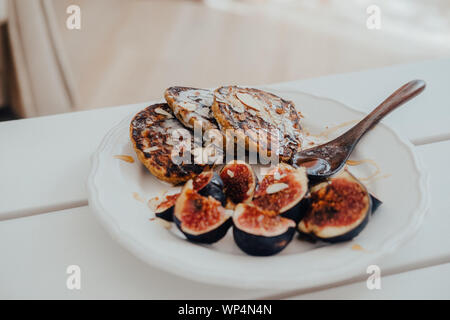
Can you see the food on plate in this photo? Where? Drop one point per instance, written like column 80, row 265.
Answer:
column 260, row 233
column 282, row 191
column 264, row 215
column 152, row 134
column 239, row 182
column 201, row 219
column 207, row 183
column 164, row 209
column 339, row 209
column 376, row 203
column 265, row 122
column 192, row 106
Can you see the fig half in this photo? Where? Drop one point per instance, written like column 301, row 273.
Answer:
column 164, row 210
column 376, row 203
column 207, row 183
column 261, row 233
column 339, row 209
column 239, row 182
column 282, row 190
column 201, row 219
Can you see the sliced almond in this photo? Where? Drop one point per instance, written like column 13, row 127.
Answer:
column 266, row 117
column 204, row 112
column 252, row 112
column 249, row 100
column 277, row 175
column 151, row 149
column 163, row 112
column 189, row 106
column 238, row 107
column 277, row 187
column 230, row 173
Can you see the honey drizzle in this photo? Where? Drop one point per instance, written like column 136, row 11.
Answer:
column 374, row 176
column 357, row 247
column 124, row 157
column 330, row 130
column 137, row 197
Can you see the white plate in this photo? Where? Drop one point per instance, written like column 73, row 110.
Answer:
column 402, row 186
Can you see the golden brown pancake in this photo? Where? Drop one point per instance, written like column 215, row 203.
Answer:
column 192, row 106
column 261, row 119
column 152, row 132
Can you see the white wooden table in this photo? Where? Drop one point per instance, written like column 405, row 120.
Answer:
column 46, row 225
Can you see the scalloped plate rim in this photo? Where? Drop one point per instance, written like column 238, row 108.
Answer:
column 315, row 279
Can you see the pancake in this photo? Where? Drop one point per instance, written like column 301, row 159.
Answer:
column 261, row 119
column 151, row 132
column 192, row 106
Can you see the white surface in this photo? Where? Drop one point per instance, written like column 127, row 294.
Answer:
column 44, row 161
column 60, row 146
column 112, row 183
column 37, row 250
column 430, row 283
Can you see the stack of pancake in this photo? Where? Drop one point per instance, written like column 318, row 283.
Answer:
column 163, row 134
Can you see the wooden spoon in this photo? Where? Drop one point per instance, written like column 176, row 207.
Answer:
column 325, row 160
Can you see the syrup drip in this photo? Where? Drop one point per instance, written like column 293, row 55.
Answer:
column 125, row 158
column 374, row 176
column 137, row 197
column 357, row 247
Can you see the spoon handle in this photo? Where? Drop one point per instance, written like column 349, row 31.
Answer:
column 399, row 97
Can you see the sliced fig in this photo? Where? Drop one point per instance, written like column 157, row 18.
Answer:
column 201, row 219
column 261, row 233
column 164, row 209
column 282, row 190
column 339, row 209
column 239, row 182
column 209, row 183
column 376, row 203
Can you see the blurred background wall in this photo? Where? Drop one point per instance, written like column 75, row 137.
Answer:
column 128, row 51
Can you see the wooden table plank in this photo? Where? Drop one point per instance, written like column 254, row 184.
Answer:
column 36, row 250
column 429, row 283
column 45, row 161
